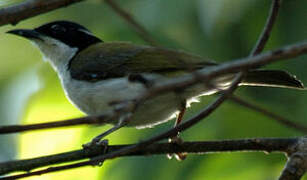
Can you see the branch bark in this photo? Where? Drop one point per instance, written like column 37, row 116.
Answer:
column 297, row 162
column 30, row 8
column 283, row 145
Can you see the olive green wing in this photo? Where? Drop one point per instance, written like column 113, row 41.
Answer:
column 118, row 59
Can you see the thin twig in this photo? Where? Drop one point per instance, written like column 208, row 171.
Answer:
column 264, row 37
column 26, row 9
column 251, row 145
column 288, row 123
column 102, row 119
column 143, row 33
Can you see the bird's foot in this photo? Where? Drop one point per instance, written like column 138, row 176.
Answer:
column 179, row 156
column 95, row 146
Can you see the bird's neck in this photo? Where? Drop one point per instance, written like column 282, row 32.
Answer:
column 59, row 62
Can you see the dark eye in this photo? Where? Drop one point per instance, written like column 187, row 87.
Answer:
column 58, row 28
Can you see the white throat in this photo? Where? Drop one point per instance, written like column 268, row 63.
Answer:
column 57, row 53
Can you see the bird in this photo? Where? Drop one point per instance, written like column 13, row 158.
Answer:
column 96, row 75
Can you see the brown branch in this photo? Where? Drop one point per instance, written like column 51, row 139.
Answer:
column 143, row 33
column 30, row 8
column 251, row 145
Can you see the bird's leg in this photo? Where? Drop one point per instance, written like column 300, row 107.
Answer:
column 96, row 140
column 176, row 139
column 89, row 147
column 98, row 143
column 104, row 134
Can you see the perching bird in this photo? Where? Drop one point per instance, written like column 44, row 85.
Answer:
column 97, row 75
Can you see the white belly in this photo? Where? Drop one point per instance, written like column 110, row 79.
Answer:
column 99, row 97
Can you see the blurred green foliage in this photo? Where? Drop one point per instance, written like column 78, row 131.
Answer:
column 218, row 29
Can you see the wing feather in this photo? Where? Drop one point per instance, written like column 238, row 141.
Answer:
column 118, row 59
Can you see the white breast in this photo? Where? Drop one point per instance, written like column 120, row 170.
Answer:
column 94, row 98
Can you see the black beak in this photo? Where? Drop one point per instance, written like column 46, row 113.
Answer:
column 27, row 33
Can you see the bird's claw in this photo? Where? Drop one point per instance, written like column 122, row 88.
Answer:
column 96, row 145
column 179, row 156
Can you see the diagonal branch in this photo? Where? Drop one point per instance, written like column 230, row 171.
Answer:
column 231, row 67
column 179, row 83
column 295, row 125
column 30, row 8
column 143, row 33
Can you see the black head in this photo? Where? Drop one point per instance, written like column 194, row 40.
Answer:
column 69, row 33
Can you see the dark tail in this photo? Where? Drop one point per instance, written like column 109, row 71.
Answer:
column 272, row 78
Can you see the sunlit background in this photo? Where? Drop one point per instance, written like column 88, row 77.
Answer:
column 30, row 91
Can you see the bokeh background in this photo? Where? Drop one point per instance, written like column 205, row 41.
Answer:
column 222, row 30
